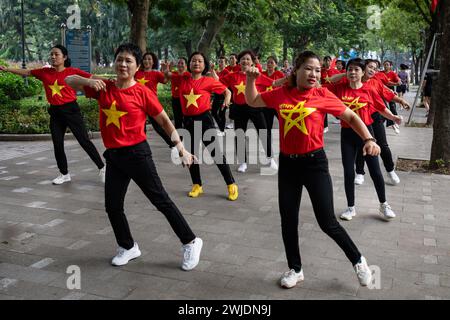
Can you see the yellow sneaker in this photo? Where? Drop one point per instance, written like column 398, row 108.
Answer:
column 196, row 191
column 233, row 192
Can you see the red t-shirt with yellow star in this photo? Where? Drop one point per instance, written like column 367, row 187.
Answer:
column 384, row 92
column 326, row 74
column 301, row 115
column 223, row 73
column 123, row 113
column 195, row 95
column 236, row 68
column 56, row 89
column 150, row 79
column 382, row 77
column 237, row 80
column 392, row 76
column 175, row 83
column 277, row 74
column 363, row 101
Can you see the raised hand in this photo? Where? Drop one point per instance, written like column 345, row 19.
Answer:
column 97, row 84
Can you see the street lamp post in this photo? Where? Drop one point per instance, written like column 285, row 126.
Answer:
column 23, row 39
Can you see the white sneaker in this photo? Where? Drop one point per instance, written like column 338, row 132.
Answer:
column 393, row 178
column 359, row 179
column 325, row 130
column 396, row 128
column 348, row 214
column 290, row 278
column 62, row 178
column 101, row 174
column 230, row 126
column 220, row 133
column 242, row 168
column 273, row 164
column 336, row 121
column 386, row 211
column 363, row 272
column 191, row 254
column 123, row 255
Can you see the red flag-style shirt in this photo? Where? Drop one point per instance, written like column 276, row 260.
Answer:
column 236, row 68
column 392, row 76
column 195, row 95
column 223, row 73
column 277, row 74
column 175, row 84
column 326, row 74
column 301, row 115
column 363, row 101
column 150, row 79
column 237, row 80
column 382, row 77
column 56, row 89
column 384, row 92
column 123, row 113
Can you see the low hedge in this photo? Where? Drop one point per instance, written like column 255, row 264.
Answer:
column 30, row 116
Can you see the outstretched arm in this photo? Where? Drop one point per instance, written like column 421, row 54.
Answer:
column 20, row 72
column 78, row 83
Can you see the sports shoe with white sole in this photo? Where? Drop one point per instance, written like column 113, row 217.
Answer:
column 242, row 168
column 101, row 174
column 62, row 178
column 290, row 278
column 348, row 214
column 363, row 272
column 386, row 211
column 273, row 164
column 191, row 254
column 359, row 179
column 393, row 178
column 123, row 255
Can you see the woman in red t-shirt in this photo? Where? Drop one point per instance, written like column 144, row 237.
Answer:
column 270, row 114
column 124, row 106
column 195, row 96
column 64, row 110
column 364, row 99
column 394, row 80
column 176, row 104
column 218, row 111
column 240, row 112
column 148, row 76
column 301, row 107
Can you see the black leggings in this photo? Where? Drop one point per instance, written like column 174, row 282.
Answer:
column 207, row 122
column 380, row 134
column 393, row 108
column 241, row 115
column 69, row 115
column 350, row 144
column 136, row 163
column 218, row 112
column 311, row 172
column 269, row 115
column 177, row 113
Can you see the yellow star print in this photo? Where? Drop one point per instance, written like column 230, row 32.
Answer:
column 355, row 105
column 192, row 99
column 143, row 81
column 327, row 79
column 298, row 122
column 56, row 89
column 269, row 88
column 113, row 115
column 241, row 88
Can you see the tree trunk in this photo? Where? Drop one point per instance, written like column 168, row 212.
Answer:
column 440, row 100
column 139, row 19
column 213, row 26
column 188, row 46
column 285, row 49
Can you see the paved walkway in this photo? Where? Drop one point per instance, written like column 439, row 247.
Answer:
column 45, row 229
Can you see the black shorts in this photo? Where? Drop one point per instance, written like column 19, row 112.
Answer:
column 401, row 88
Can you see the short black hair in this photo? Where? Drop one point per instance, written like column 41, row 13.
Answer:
column 131, row 48
column 183, row 58
column 205, row 59
column 327, row 58
column 155, row 59
column 273, row 58
column 67, row 62
column 343, row 63
column 358, row 62
column 243, row 53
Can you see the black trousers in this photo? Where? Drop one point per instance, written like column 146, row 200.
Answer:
column 311, row 172
column 136, row 163
column 269, row 115
column 161, row 132
column 177, row 113
column 218, row 112
column 207, row 122
column 379, row 132
column 393, row 107
column 242, row 114
column 350, row 144
column 69, row 116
